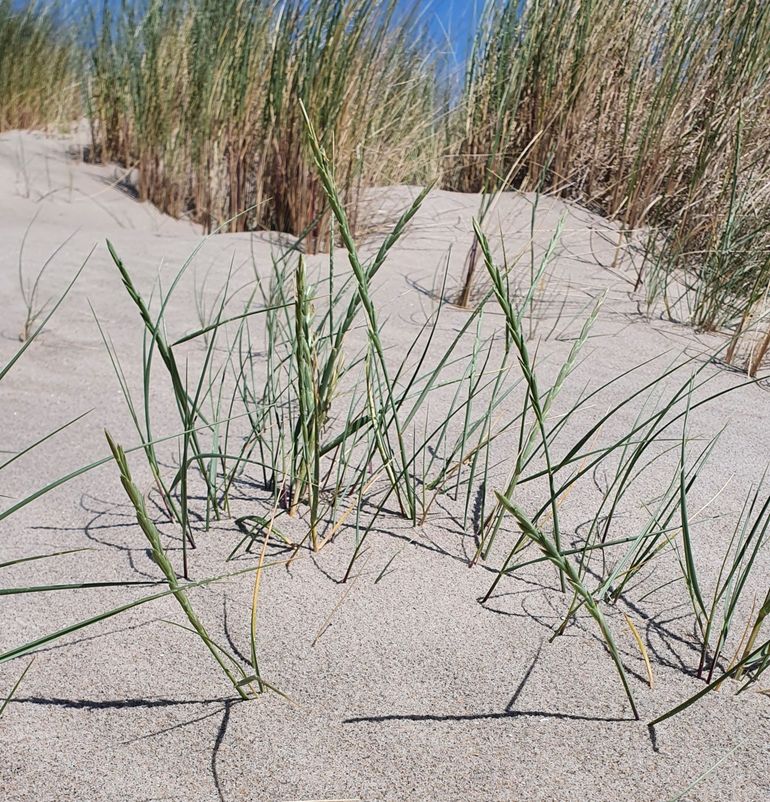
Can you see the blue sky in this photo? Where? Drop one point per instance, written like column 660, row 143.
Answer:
column 452, row 22
column 456, row 16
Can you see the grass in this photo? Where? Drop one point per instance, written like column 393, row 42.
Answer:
column 338, row 428
column 326, row 428
column 34, row 306
column 663, row 130
column 569, row 573
column 338, row 431
column 201, row 96
column 15, row 687
column 34, row 328
column 39, row 67
column 150, row 531
column 650, row 113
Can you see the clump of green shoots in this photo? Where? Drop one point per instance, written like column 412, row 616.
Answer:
column 159, row 556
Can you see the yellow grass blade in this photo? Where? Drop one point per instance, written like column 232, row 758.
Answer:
column 642, row 649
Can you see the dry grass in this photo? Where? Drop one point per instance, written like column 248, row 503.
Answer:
column 39, row 69
column 653, row 113
column 203, row 97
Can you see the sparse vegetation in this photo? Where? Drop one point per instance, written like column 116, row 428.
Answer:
column 301, row 424
column 327, row 431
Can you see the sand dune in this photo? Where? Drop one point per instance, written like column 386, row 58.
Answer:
column 413, row 690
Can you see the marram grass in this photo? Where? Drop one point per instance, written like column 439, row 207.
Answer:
column 40, row 67
column 651, row 113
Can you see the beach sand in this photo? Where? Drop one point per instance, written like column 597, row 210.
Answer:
column 413, row 690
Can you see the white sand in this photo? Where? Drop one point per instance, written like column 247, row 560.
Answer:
column 415, row 691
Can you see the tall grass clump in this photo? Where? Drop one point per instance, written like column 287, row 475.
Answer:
column 39, row 67
column 202, row 96
column 631, row 107
column 652, row 113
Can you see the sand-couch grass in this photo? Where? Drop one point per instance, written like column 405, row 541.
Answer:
column 337, row 427
column 240, row 679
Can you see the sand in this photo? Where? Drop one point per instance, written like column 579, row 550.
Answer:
column 414, row 690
